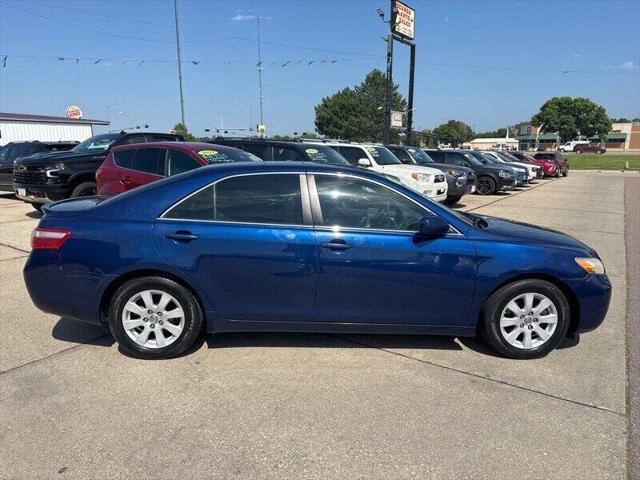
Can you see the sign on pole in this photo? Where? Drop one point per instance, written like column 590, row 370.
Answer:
column 74, row 112
column 397, row 119
column 403, row 19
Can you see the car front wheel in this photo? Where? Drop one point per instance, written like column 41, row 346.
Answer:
column 85, row 189
column 526, row 319
column 486, row 186
column 154, row 317
column 452, row 200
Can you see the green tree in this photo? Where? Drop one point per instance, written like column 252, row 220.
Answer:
column 358, row 113
column 180, row 129
column 454, row 132
column 571, row 117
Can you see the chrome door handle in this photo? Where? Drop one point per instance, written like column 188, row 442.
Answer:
column 336, row 245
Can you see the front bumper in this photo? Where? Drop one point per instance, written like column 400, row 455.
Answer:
column 43, row 193
column 594, row 295
column 436, row 191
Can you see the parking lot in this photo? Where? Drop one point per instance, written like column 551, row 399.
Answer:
column 322, row 406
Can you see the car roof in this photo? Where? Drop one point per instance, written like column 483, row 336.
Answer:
column 258, row 141
column 183, row 146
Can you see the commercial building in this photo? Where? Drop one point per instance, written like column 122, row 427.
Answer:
column 621, row 138
column 492, row 143
column 17, row 127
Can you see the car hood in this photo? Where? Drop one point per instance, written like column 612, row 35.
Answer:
column 401, row 169
column 47, row 158
column 527, row 233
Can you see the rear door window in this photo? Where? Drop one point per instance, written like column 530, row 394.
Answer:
column 286, row 154
column 149, row 160
column 179, row 162
column 271, row 199
column 123, row 159
column 258, row 149
column 352, row 154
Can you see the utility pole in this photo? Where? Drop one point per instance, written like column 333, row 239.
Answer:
column 412, row 71
column 386, row 138
column 175, row 11
column 260, row 130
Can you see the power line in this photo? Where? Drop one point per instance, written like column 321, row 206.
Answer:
column 144, row 22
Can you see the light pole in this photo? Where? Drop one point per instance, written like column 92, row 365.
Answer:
column 175, row 12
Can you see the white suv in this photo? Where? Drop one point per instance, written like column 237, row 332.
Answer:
column 428, row 181
column 569, row 146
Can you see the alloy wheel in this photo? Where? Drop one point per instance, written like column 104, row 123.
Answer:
column 528, row 320
column 153, row 319
column 485, row 186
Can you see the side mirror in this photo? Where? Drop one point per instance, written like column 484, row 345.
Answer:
column 407, row 161
column 433, row 226
column 364, row 162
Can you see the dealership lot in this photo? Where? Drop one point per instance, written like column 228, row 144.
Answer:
column 318, row 406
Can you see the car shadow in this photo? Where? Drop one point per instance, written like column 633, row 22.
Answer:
column 330, row 340
column 72, row 331
column 35, row 214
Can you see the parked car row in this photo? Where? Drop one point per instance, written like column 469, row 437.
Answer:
column 109, row 164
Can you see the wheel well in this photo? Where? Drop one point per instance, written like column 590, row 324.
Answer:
column 574, row 306
column 85, row 177
column 118, row 282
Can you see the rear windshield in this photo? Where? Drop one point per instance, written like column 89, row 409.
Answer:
column 326, row 155
column 227, row 155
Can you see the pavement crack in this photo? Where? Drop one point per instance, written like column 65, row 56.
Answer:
column 64, row 350
column 488, row 379
column 15, row 248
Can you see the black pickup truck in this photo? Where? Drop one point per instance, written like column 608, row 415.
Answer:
column 49, row 177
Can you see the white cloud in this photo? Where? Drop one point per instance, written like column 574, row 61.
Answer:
column 628, row 66
column 240, row 17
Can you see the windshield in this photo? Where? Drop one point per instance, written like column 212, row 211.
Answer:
column 326, row 155
column 493, row 158
column 228, row 155
column 383, row 156
column 97, row 143
column 473, row 159
column 419, row 156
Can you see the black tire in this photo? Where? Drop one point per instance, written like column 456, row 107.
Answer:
column 496, row 303
column 485, row 185
column 452, row 200
column 37, row 206
column 85, row 189
column 193, row 317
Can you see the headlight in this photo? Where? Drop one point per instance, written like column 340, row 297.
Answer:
column 455, row 173
column 60, row 165
column 591, row 265
column 421, row 177
column 505, row 174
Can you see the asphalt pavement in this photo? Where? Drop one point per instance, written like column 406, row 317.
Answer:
column 304, row 406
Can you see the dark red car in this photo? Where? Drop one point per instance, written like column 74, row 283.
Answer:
column 549, row 169
column 589, row 148
column 131, row 166
column 559, row 160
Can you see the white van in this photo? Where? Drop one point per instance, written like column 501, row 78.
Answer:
column 428, row 181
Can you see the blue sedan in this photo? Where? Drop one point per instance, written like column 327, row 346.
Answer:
column 307, row 248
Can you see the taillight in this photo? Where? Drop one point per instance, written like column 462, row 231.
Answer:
column 48, row 238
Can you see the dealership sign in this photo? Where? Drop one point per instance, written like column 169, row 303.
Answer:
column 397, row 119
column 403, row 20
column 74, row 112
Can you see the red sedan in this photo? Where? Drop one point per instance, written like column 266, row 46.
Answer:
column 550, row 169
column 131, row 166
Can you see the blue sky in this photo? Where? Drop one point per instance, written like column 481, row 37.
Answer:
column 486, row 63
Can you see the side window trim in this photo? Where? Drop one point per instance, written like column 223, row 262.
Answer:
column 304, row 195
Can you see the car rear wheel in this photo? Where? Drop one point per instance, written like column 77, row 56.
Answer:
column 578, row 152
column 526, row 319
column 85, row 189
column 452, row 200
column 154, row 317
column 486, row 186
